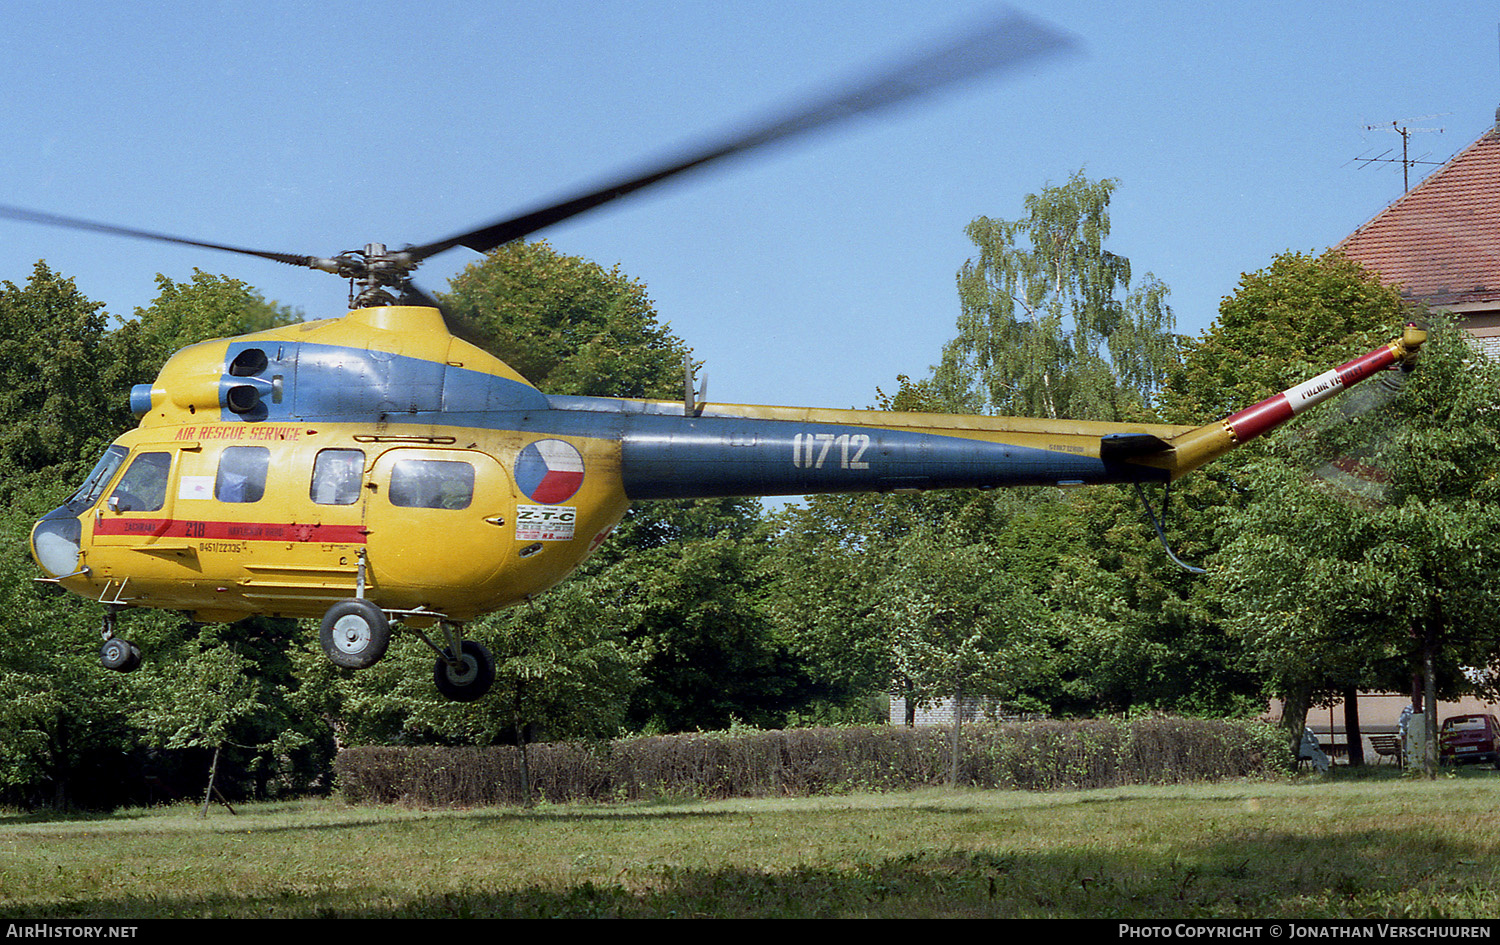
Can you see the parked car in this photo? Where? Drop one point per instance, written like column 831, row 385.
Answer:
column 1465, row 738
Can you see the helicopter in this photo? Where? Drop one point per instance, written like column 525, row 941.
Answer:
column 375, row 472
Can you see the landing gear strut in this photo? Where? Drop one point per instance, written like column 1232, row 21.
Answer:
column 356, row 632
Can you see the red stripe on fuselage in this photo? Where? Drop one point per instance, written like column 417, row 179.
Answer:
column 230, row 531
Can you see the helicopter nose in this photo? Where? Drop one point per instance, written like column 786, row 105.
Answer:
column 55, row 543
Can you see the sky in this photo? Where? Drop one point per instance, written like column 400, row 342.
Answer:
column 810, row 275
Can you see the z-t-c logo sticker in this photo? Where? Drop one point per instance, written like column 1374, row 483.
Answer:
column 549, row 471
column 545, row 522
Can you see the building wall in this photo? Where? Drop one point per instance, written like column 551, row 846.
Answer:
column 975, row 709
column 1483, row 326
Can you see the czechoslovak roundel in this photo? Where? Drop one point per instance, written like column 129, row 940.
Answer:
column 549, row 471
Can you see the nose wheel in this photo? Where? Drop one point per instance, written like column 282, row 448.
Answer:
column 120, row 655
column 467, row 677
column 117, row 653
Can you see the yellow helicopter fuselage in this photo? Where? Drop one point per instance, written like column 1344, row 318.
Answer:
column 280, row 510
column 378, row 458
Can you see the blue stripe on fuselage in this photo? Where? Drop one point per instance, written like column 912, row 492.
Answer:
column 663, row 453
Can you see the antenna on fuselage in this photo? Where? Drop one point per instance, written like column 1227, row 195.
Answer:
column 692, row 401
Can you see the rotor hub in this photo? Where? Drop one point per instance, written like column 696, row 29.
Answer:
column 376, row 275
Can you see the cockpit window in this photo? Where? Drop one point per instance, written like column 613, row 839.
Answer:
column 242, row 474
column 103, row 472
column 432, row 484
column 336, row 476
column 143, row 488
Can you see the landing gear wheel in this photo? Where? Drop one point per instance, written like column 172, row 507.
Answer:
column 471, row 678
column 355, row 634
column 120, row 655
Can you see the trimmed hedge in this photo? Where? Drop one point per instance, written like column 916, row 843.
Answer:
column 1038, row 756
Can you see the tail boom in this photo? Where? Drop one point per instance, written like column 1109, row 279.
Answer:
column 669, row 451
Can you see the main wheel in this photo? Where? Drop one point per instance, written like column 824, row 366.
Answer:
column 355, row 634
column 120, row 655
column 471, row 678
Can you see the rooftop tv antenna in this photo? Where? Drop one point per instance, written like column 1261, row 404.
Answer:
column 1401, row 127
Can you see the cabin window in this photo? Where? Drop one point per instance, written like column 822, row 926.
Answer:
column 103, row 472
column 432, row 484
column 336, row 476
column 143, row 488
column 242, row 474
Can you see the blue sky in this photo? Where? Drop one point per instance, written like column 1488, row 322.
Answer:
column 809, row 276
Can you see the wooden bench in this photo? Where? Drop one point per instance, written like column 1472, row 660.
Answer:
column 1387, row 746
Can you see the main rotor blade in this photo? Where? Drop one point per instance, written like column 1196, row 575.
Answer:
column 73, row 223
column 992, row 46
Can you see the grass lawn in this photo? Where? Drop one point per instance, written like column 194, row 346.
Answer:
column 1371, row 845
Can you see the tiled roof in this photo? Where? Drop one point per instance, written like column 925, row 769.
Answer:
column 1441, row 241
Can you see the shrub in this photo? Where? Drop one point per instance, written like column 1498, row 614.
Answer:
column 1033, row 756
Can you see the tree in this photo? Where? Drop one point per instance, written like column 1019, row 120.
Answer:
column 711, row 655
column 52, row 357
column 1130, row 633
column 64, row 729
column 1049, row 325
column 1086, row 557
column 197, row 702
column 828, row 556
column 1439, row 542
column 67, row 376
column 1336, row 589
column 65, row 732
column 1283, row 324
column 566, row 324
column 961, row 626
column 1052, row 325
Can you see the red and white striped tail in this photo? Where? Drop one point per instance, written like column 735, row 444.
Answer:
column 1276, row 410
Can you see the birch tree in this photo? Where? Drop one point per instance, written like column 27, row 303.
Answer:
column 1050, row 324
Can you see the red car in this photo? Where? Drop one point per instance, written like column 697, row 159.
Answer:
column 1466, row 738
